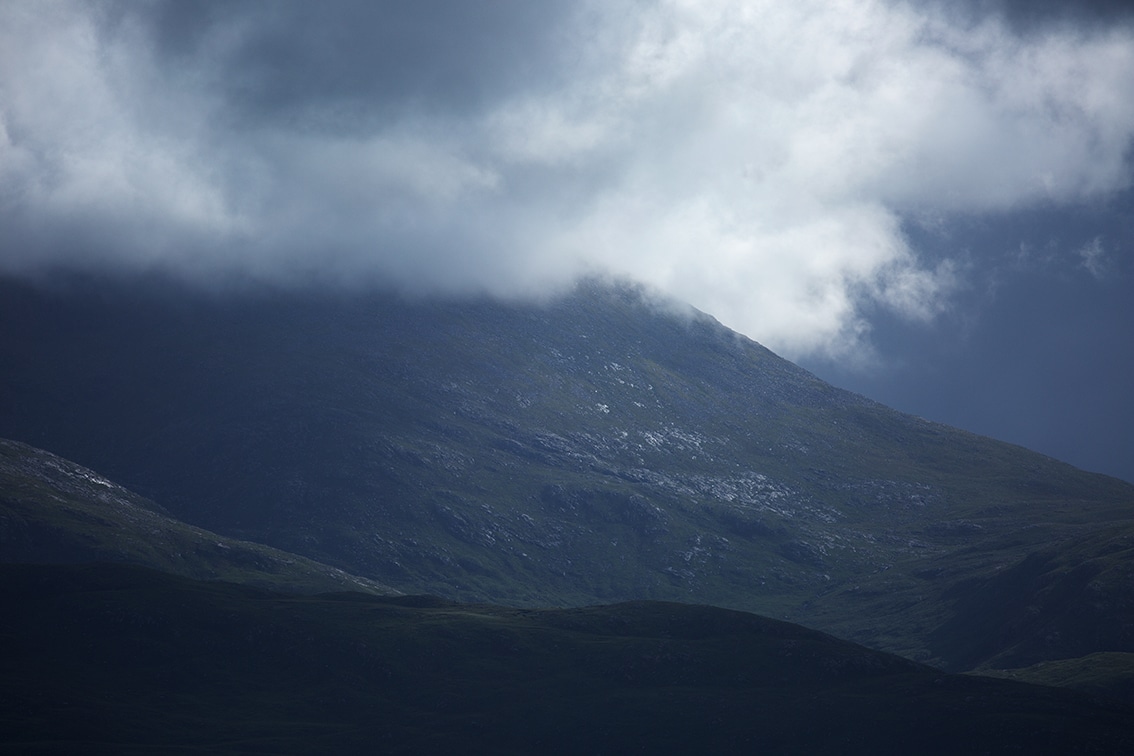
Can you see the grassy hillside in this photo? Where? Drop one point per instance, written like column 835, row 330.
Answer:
column 1063, row 601
column 119, row 659
column 1109, row 674
column 52, row 510
column 595, row 448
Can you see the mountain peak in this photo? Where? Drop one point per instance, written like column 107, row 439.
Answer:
column 597, row 447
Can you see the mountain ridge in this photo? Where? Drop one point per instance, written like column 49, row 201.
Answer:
column 593, row 448
column 57, row 512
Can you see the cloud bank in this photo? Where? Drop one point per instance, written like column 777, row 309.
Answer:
column 757, row 159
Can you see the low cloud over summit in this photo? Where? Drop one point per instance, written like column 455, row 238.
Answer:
column 764, row 161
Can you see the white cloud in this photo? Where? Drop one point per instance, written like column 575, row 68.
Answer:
column 80, row 160
column 1093, row 257
column 754, row 158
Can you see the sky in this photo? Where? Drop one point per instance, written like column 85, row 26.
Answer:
column 926, row 202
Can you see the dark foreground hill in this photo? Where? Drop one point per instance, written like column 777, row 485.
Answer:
column 116, row 659
column 596, row 448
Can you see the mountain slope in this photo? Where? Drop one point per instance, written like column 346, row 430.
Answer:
column 118, row 660
column 1108, row 674
column 54, row 511
column 1060, row 602
column 598, row 447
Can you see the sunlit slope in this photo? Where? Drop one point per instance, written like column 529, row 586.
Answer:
column 117, row 659
column 599, row 447
column 1107, row 673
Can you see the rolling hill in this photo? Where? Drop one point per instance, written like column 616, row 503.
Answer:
column 121, row 659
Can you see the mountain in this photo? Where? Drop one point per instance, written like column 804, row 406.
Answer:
column 601, row 446
column 1065, row 600
column 118, row 659
column 114, row 658
column 54, row 511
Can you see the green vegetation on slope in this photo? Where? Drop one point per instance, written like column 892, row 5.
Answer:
column 1103, row 674
column 596, row 448
column 1060, row 602
column 52, row 510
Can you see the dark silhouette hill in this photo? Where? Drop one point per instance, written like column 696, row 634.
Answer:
column 118, row 659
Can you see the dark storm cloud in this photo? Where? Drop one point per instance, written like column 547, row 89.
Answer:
column 1031, row 14
column 356, row 64
column 760, row 160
